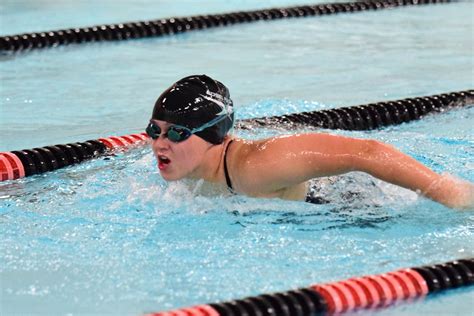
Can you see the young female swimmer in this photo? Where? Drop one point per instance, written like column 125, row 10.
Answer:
column 189, row 127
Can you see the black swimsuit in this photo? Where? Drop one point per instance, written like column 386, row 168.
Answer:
column 226, row 171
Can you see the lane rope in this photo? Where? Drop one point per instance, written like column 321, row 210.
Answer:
column 169, row 26
column 367, row 292
column 367, row 116
column 27, row 162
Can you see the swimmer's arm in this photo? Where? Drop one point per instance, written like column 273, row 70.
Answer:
column 298, row 158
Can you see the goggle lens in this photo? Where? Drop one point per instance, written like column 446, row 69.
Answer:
column 175, row 133
column 153, row 130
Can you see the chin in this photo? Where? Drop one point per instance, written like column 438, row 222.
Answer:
column 170, row 177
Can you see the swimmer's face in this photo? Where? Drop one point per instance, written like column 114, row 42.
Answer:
column 178, row 160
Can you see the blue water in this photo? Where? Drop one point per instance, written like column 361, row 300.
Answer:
column 110, row 236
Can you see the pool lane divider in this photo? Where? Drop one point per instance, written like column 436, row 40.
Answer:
column 169, row 26
column 368, row 116
column 27, row 162
column 367, row 292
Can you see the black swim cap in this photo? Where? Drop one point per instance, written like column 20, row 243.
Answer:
column 194, row 101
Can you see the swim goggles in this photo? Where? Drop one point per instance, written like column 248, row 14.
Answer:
column 178, row 133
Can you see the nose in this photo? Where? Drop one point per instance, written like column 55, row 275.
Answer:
column 160, row 143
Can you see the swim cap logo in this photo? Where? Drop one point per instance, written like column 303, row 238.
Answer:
column 224, row 103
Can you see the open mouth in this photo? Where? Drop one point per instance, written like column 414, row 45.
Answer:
column 163, row 162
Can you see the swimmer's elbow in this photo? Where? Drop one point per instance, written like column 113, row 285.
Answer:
column 369, row 152
column 371, row 148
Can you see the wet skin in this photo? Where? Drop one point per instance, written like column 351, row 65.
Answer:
column 281, row 166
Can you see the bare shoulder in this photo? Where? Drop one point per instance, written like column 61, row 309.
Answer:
column 294, row 143
column 250, row 153
column 257, row 168
column 277, row 163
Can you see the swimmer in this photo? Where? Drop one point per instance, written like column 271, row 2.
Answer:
column 190, row 127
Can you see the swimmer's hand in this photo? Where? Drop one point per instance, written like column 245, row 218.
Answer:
column 452, row 192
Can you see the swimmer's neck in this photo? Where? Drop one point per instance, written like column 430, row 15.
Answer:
column 211, row 168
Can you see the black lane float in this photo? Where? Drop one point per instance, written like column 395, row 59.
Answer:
column 367, row 292
column 367, row 116
column 27, row 162
column 169, row 26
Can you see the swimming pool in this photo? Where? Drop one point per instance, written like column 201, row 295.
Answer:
column 110, row 236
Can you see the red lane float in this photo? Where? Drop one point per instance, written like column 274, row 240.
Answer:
column 26, row 162
column 363, row 117
column 201, row 310
column 10, row 167
column 115, row 142
column 373, row 291
column 381, row 290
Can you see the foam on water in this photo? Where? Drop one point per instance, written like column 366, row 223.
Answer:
column 110, row 236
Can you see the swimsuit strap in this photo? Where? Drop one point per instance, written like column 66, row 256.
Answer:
column 226, row 171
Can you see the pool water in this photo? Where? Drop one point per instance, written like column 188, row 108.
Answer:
column 110, row 236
